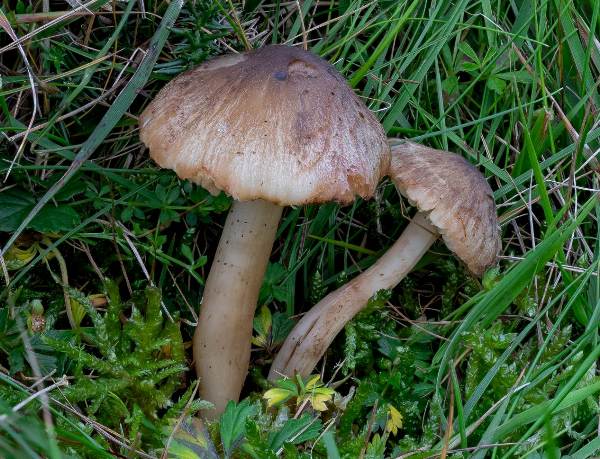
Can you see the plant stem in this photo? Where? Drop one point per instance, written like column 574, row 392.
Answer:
column 313, row 334
column 64, row 275
column 222, row 338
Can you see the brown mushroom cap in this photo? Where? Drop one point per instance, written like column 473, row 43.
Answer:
column 277, row 123
column 455, row 197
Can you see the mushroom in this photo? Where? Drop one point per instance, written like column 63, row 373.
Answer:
column 454, row 201
column 273, row 127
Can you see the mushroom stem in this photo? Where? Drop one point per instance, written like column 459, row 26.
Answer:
column 222, row 337
column 313, row 334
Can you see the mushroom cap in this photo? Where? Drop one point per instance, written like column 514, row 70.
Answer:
column 455, row 197
column 277, row 123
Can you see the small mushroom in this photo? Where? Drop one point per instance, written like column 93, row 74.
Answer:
column 272, row 127
column 454, row 202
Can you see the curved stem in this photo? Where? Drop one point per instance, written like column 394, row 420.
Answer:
column 313, row 334
column 64, row 274
column 222, row 337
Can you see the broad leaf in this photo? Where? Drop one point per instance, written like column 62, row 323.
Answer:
column 233, row 424
column 295, row 431
column 15, row 204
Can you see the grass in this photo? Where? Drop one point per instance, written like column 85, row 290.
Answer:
column 504, row 368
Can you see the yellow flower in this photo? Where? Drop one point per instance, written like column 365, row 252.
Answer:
column 394, row 421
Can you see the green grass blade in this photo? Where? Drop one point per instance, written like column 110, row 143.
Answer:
column 113, row 114
column 589, row 450
column 537, row 414
column 503, row 293
column 383, row 45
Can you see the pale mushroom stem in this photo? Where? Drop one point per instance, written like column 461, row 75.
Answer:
column 222, row 337
column 313, row 334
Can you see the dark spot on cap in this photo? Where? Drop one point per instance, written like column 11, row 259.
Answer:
column 280, row 75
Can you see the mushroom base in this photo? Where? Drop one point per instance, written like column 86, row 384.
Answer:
column 313, row 334
column 222, row 338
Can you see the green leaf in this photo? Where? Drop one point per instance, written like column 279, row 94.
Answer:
column 13, row 205
column 73, row 188
column 191, row 441
column 277, row 395
column 16, row 203
column 55, row 219
column 469, row 52
column 262, row 326
column 496, row 84
column 520, row 76
column 281, row 327
column 233, row 424
column 295, row 431
column 275, row 273
column 187, row 253
column 450, row 85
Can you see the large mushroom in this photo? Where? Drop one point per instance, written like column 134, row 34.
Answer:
column 273, row 127
column 454, row 201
